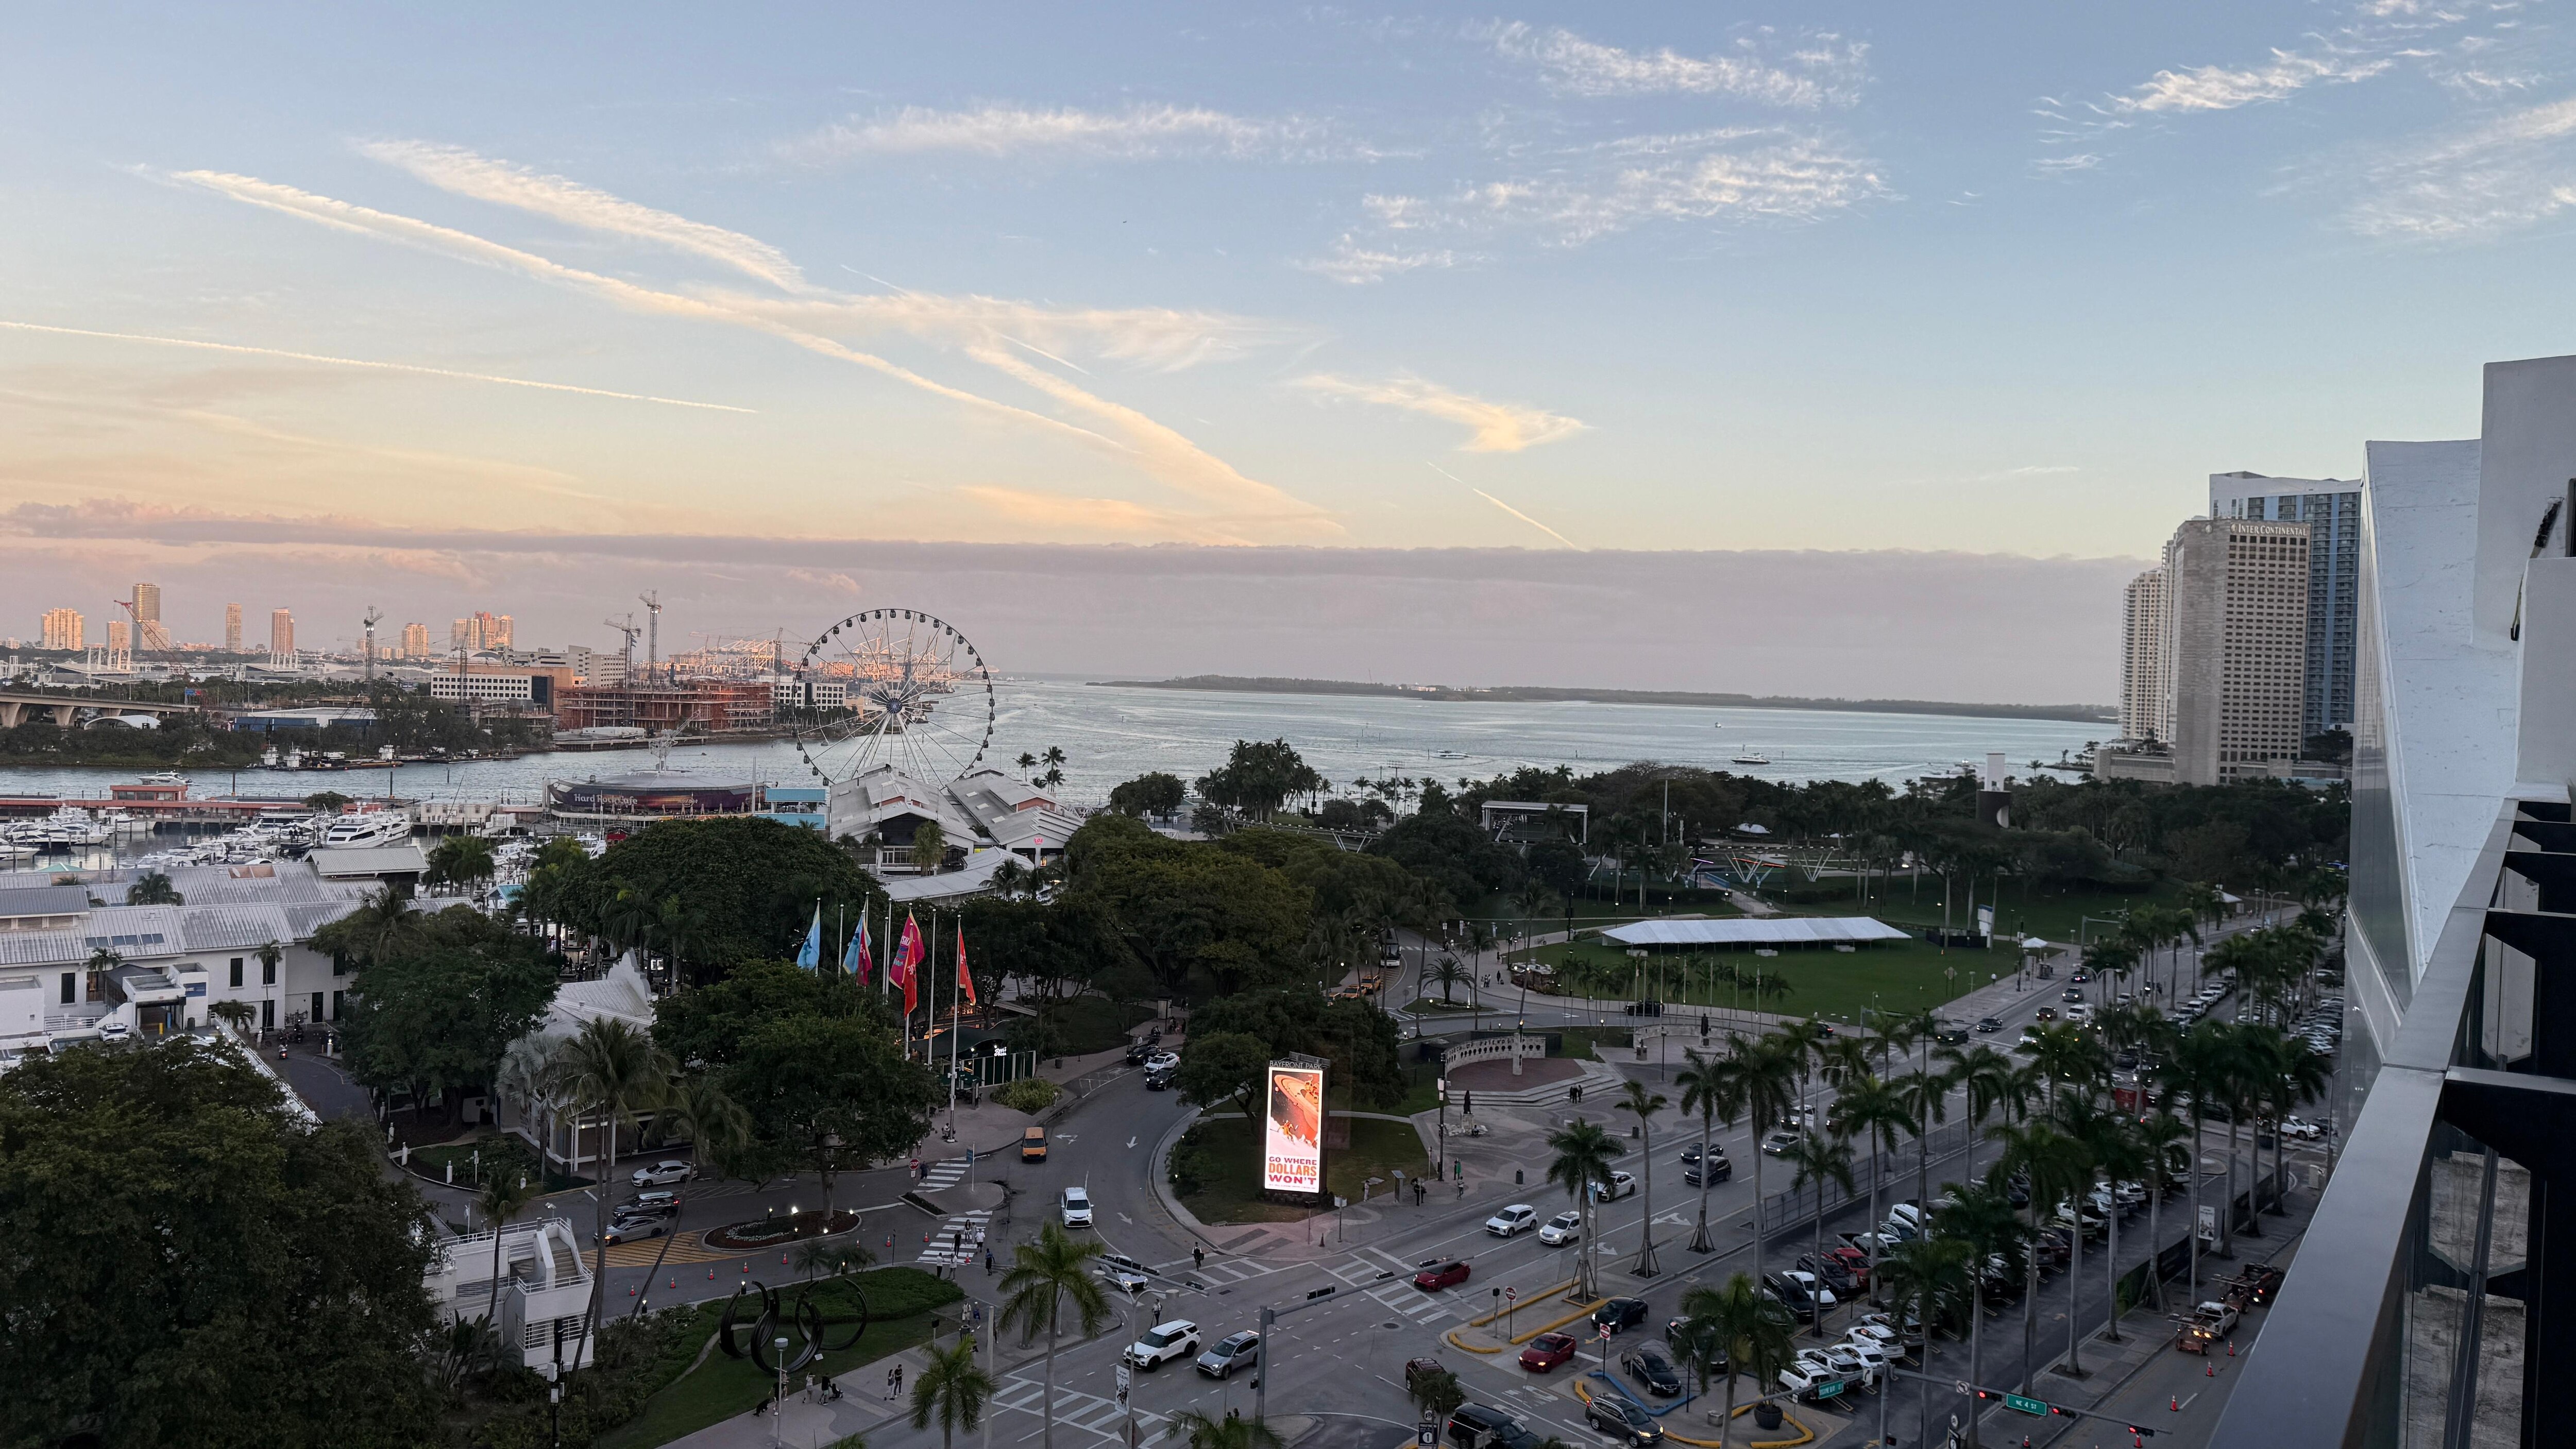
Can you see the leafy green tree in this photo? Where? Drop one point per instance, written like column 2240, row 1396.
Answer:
column 189, row 1261
column 829, row 1094
column 437, row 1005
column 1224, row 1066
column 1206, row 1431
column 1361, row 1042
column 754, row 884
column 154, row 889
column 1048, row 1278
column 1152, row 793
column 1201, row 919
column 460, row 860
column 1257, row 778
column 951, row 1389
column 611, row 1073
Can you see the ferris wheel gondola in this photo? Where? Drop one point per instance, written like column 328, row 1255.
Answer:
column 895, row 687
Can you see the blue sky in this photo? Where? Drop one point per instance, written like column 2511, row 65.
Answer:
column 1995, row 279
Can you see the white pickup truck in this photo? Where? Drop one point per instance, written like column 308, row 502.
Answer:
column 2209, row 1323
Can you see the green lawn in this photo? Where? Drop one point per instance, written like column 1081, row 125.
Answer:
column 1223, row 1155
column 2025, row 910
column 721, row 1388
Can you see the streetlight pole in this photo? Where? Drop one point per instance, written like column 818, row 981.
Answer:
column 778, row 1410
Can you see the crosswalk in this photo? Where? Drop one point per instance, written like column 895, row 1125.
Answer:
column 952, row 1244
column 688, row 1247
column 942, row 1174
column 1074, row 1409
column 1219, row 1272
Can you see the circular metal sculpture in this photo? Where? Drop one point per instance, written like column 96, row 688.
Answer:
column 813, row 1326
column 893, row 687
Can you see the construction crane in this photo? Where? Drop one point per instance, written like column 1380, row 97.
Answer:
column 374, row 617
column 625, row 625
column 651, row 599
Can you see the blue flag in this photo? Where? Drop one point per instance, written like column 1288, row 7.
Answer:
column 855, row 959
column 810, row 955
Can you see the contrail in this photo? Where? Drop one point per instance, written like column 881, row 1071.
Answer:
column 1507, row 508
column 676, row 402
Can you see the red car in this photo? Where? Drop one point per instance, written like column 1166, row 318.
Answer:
column 1853, row 1260
column 1547, row 1351
column 1447, row 1275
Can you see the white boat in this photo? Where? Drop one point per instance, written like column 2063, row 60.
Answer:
column 365, row 829
column 1751, row 757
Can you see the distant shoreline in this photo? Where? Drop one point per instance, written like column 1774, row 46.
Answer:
column 1524, row 693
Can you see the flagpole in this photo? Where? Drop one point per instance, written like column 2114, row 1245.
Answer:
column 956, row 1023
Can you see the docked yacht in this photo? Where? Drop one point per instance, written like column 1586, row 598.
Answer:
column 366, row 828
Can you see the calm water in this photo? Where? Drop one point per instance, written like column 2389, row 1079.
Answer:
column 1109, row 735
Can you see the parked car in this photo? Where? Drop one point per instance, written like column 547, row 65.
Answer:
column 642, row 1209
column 1829, row 1269
column 1163, row 1343
column 1908, row 1329
column 1808, row 1374
column 1811, row 1285
column 1621, row 1184
column 1074, row 1206
column 663, row 1174
column 1619, row 1315
column 1648, row 1364
column 1622, row 1420
column 1241, row 1350
column 1549, row 1350
column 1119, row 1271
column 1482, row 1426
column 1519, row 1218
column 1445, row 1275
column 1851, row 1361
column 1564, row 1228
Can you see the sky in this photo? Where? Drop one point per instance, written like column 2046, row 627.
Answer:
column 439, row 308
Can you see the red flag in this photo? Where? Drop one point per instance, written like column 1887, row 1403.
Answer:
column 965, row 982
column 910, row 953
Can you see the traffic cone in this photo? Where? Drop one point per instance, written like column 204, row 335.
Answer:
column 711, row 1275
column 2231, row 1348
column 675, row 1282
column 630, row 1290
column 2210, row 1371
column 782, row 1262
column 2176, row 1406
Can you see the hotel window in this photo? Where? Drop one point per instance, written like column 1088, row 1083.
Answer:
column 236, row 973
column 68, row 978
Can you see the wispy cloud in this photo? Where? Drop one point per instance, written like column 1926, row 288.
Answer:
column 1159, row 451
column 407, row 367
column 1060, row 514
column 455, row 169
column 1351, row 262
column 1822, row 70
column 1731, row 175
column 2217, row 88
column 2497, row 175
column 1494, row 427
column 1137, row 133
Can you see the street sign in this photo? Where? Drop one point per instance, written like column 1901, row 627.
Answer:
column 2026, row 1406
column 1961, row 1385
column 1511, row 1293
column 1426, row 1436
column 1125, row 1377
column 1831, row 1388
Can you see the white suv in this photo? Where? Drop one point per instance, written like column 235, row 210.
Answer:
column 1075, row 1205
column 1163, row 1343
column 1520, row 1217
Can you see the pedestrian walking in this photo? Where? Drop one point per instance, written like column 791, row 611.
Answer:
column 1198, row 1258
column 894, row 1376
column 898, row 1381
column 988, row 1262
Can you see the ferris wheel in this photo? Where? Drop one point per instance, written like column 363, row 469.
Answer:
column 893, row 687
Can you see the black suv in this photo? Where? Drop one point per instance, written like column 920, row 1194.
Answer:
column 1618, row 1314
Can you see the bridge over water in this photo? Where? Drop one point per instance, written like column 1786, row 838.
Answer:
column 18, row 706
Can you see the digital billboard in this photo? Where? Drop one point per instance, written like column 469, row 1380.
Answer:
column 1292, row 1145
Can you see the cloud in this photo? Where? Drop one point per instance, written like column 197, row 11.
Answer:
column 1828, row 70
column 828, row 580
column 1496, row 427
column 1118, row 518
column 1523, row 517
column 378, row 366
column 462, row 172
column 2216, row 88
column 2496, row 176
column 1733, row 175
column 1138, row 133
column 1355, row 264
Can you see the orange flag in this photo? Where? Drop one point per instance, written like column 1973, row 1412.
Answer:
column 965, row 982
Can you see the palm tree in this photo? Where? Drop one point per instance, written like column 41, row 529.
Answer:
column 2197, row 1068
column 1583, row 1156
column 1709, row 1087
column 1763, row 1070
column 1925, row 1276
column 461, row 860
column 1641, row 1104
column 1988, row 1075
column 1739, row 1327
column 2111, row 1139
column 720, row 1129
column 502, row 1196
column 1876, row 1113
column 1234, row 1431
column 1448, row 973
column 1980, row 1216
column 236, row 1014
column 951, row 1389
column 2162, row 1140
column 1818, row 1159
column 2294, row 1074
column 154, row 889
column 1046, row 1276
column 1803, row 1043
column 610, row 1071
column 2053, row 1164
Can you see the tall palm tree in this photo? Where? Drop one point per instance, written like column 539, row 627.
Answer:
column 1448, row 973
column 698, row 1106
column 1926, row 1098
column 2053, row 1165
column 2164, row 1142
column 154, row 889
column 1981, row 1216
column 502, row 1196
column 1641, row 1104
column 2079, row 1122
column 2111, row 1139
column 1046, row 1277
column 1739, row 1327
column 1924, row 1277
column 1988, row 1076
column 2294, row 1075
column 1802, row 1042
column 610, row 1072
column 1583, row 1156
column 951, row 1389
column 1763, row 1071
column 1710, row 1088
column 1874, row 1112
column 1818, row 1159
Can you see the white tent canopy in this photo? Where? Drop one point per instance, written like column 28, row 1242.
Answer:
column 1767, row 931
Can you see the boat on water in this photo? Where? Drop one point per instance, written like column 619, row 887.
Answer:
column 365, row 829
column 1750, row 757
